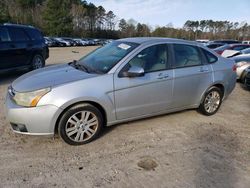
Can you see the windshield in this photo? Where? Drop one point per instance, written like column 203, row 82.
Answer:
column 106, row 57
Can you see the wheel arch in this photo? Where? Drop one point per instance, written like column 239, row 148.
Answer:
column 218, row 85
column 95, row 104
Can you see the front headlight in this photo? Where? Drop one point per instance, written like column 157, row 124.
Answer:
column 30, row 99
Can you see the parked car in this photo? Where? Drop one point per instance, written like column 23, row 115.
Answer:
column 62, row 41
column 21, row 47
column 70, row 40
column 232, row 53
column 124, row 80
column 226, row 41
column 246, row 80
column 242, row 63
column 80, row 42
column 48, row 42
column 214, row 45
column 237, row 47
column 246, row 42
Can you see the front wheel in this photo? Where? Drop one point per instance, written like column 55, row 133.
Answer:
column 37, row 62
column 80, row 124
column 211, row 102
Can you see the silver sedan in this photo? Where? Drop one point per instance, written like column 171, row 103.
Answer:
column 122, row 81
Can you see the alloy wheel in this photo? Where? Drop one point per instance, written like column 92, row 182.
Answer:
column 81, row 126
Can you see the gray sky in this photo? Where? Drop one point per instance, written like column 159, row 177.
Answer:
column 162, row 12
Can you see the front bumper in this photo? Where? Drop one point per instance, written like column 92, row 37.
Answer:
column 40, row 120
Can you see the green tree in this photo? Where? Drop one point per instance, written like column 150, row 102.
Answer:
column 58, row 20
column 4, row 13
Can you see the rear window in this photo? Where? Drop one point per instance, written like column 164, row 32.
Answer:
column 4, row 34
column 18, row 34
column 34, row 34
column 211, row 58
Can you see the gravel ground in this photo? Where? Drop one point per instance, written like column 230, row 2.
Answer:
column 184, row 149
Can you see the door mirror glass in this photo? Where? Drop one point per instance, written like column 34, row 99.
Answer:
column 134, row 71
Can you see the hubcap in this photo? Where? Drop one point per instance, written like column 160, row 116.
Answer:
column 81, row 126
column 38, row 63
column 212, row 102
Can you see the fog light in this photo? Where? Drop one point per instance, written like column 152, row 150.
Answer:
column 19, row 127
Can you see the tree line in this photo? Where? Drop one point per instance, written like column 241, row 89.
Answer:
column 82, row 19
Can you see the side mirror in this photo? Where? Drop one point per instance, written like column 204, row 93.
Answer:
column 134, row 71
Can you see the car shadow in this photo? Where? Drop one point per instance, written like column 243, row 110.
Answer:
column 8, row 77
column 108, row 129
column 215, row 164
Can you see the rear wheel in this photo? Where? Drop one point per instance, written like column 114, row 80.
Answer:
column 211, row 102
column 80, row 124
column 37, row 62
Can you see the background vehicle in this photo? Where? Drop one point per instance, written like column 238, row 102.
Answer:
column 246, row 80
column 242, row 63
column 21, row 46
column 227, row 41
column 237, row 47
column 246, row 42
column 213, row 45
column 70, row 40
column 106, row 87
column 62, row 41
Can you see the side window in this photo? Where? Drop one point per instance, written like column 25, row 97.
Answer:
column 210, row 57
column 34, row 34
column 4, row 34
column 153, row 58
column 186, row 55
column 18, row 34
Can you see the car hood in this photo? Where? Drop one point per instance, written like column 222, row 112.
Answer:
column 49, row 77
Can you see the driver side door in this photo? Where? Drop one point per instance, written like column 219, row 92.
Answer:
column 148, row 94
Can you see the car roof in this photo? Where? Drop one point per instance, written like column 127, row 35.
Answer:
column 143, row 40
column 18, row 25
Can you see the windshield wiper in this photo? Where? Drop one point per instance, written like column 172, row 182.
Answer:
column 79, row 66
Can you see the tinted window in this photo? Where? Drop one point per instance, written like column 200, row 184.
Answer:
column 210, row 57
column 4, row 34
column 239, row 47
column 186, row 55
column 34, row 34
column 18, row 34
column 153, row 58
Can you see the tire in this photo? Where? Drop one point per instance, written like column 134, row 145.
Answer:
column 211, row 101
column 74, row 125
column 37, row 62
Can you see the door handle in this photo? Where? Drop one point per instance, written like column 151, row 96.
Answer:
column 202, row 69
column 162, row 76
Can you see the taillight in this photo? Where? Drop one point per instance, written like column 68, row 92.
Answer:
column 234, row 68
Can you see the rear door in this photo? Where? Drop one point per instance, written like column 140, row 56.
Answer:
column 19, row 47
column 5, row 48
column 192, row 75
column 151, row 93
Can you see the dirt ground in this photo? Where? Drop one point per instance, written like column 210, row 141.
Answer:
column 184, row 149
